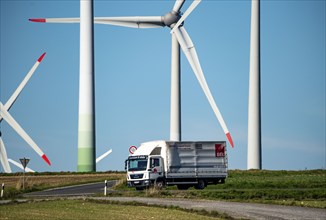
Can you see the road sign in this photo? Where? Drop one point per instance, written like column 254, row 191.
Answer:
column 132, row 149
column 24, row 161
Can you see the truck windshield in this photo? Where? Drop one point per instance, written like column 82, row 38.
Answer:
column 137, row 164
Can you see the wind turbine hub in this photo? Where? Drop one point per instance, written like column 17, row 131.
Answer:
column 171, row 18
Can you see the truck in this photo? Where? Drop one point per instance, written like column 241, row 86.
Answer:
column 182, row 163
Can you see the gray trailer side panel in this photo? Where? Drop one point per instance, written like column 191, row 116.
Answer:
column 196, row 160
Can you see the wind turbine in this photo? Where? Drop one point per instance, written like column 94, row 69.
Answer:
column 20, row 166
column 103, row 155
column 4, row 114
column 173, row 20
column 254, row 116
column 86, row 112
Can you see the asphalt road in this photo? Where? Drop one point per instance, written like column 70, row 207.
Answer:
column 234, row 209
column 80, row 190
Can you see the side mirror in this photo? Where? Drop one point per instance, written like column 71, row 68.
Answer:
column 126, row 164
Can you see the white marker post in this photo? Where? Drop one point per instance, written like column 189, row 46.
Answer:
column 2, row 189
column 105, row 186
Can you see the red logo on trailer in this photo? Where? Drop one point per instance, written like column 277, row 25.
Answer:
column 219, row 150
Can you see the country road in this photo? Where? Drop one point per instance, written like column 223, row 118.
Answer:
column 233, row 209
column 79, row 190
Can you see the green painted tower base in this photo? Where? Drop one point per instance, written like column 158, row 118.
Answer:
column 86, row 143
column 86, row 160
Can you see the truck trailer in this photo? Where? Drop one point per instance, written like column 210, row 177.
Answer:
column 184, row 164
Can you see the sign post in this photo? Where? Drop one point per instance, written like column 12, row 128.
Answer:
column 24, row 161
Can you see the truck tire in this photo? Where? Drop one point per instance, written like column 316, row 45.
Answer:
column 159, row 184
column 201, row 185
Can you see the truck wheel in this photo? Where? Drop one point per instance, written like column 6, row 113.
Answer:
column 201, row 184
column 159, row 184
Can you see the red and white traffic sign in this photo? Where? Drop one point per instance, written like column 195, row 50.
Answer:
column 132, row 149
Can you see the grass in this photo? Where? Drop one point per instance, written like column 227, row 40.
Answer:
column 88, row 209
column 275, row 179
column 299, row 188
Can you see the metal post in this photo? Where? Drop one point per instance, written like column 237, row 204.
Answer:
column 24, row 179
column 105, row 186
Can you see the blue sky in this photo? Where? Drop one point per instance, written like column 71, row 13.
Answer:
column 132, row 73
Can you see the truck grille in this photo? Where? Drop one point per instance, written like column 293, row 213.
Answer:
column 136, row 176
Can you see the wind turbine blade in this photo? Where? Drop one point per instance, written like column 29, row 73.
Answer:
column 19, row 165
column 193, row 5
column 4, row 158
column 133, row 22
column 14, row 96
column 103, row 155
column 11, row 121
column 189, row 50
column 55, row 20
column 177, row 5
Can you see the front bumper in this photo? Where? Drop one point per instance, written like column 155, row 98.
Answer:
column 137, row 183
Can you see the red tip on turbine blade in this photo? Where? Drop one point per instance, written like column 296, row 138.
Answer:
column 41, row 57
column 228, row 135
column 46, row 159
column 37, row 20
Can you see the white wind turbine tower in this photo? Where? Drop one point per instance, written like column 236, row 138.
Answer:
column 86, row 114
column 173, row 20
column 254, row 115
column 4, row 114
column 86, row 118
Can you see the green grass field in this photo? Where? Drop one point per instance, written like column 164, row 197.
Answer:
column 299, row 188
column 79, row 209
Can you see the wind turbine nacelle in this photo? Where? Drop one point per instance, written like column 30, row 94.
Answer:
column 171, row 18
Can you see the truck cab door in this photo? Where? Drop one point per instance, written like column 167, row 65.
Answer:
column 156, row 168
